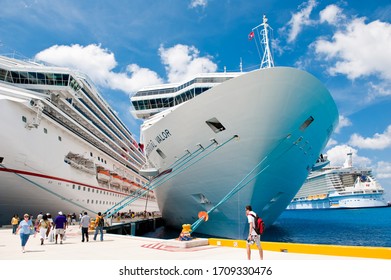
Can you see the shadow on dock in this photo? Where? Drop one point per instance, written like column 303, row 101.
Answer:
column 135, row 227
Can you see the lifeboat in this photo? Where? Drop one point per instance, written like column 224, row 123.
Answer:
column 103, row 175
column 116, row 180
column 134, row 186
column 126, row 183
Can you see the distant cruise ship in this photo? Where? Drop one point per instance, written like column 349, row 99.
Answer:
column 339, row 187
column 62, row 147
column 219, row 141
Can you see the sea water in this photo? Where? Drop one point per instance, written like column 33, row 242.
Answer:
column 353, row 227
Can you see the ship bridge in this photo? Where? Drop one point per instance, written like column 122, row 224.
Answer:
column 154, row 99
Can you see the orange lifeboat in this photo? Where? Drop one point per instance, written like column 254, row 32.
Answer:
column 126, row 183
column 103, row 175
column 116, row 180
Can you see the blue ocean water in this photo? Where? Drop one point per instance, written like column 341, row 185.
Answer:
column 354, row 227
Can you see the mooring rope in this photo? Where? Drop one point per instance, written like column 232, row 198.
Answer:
column 241, row 185
column 182, row 167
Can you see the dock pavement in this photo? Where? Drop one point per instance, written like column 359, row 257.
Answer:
column 119, row 252
column 126, row 247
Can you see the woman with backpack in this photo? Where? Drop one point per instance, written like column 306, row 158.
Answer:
column 43, row 226
column 99, row 224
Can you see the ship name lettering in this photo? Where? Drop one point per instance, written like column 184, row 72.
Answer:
column 163, row 136
column 150, row 147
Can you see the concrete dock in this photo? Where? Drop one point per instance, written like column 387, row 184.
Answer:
column 141, row 249
column 121, row 247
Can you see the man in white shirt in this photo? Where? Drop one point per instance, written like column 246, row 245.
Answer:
column 84, row 224
column 253, row 237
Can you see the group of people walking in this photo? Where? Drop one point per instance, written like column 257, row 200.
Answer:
column 45, row 225
column 47, row 228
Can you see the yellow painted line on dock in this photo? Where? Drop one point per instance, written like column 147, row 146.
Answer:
column 318, row 249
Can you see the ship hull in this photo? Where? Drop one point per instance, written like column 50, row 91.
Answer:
column 265, row 114
column 35, row 178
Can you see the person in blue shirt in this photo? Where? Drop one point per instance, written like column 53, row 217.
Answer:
column 26, row 228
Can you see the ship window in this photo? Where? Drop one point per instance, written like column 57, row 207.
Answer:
column 215, row 125
column 3, row 74
column 24, row 119
column 45, row 130
column 78, row 188
column 88, row 201
column 59, row 138
column 88, row 189
column 306, row 123
column 161, row 153
column 91, row 154
column 84, row 188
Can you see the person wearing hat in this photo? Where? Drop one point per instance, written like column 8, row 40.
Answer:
column 60, row 224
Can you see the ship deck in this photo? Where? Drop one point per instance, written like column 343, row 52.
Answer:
column 119, row 251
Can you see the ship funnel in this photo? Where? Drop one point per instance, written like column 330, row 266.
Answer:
column 349, row 161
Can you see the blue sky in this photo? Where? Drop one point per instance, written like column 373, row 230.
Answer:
column 125, row 45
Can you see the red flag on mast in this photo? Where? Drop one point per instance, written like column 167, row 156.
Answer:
column 251, row 35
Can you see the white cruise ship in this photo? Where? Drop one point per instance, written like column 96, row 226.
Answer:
column 339, row 187
column 221, row 141
column 62, row 147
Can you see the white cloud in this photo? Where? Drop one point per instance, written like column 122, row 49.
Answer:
column 134, row 79
column 180, row 61
column 331, row 142
column 359, row 49
column 338, row 154
column 343, row 122
column 98, row 64
column 198, row 3
column 183, row 61
column 332, row 14
column 377, row 142
column 379, row 89
column 300, row 19
column 383, row 170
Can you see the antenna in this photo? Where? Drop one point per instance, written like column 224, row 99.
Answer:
column 262, row 37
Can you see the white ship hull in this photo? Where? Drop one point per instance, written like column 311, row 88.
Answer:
column 34, row 176
column 266, row 109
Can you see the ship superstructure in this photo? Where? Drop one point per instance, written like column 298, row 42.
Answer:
column 63, row 147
